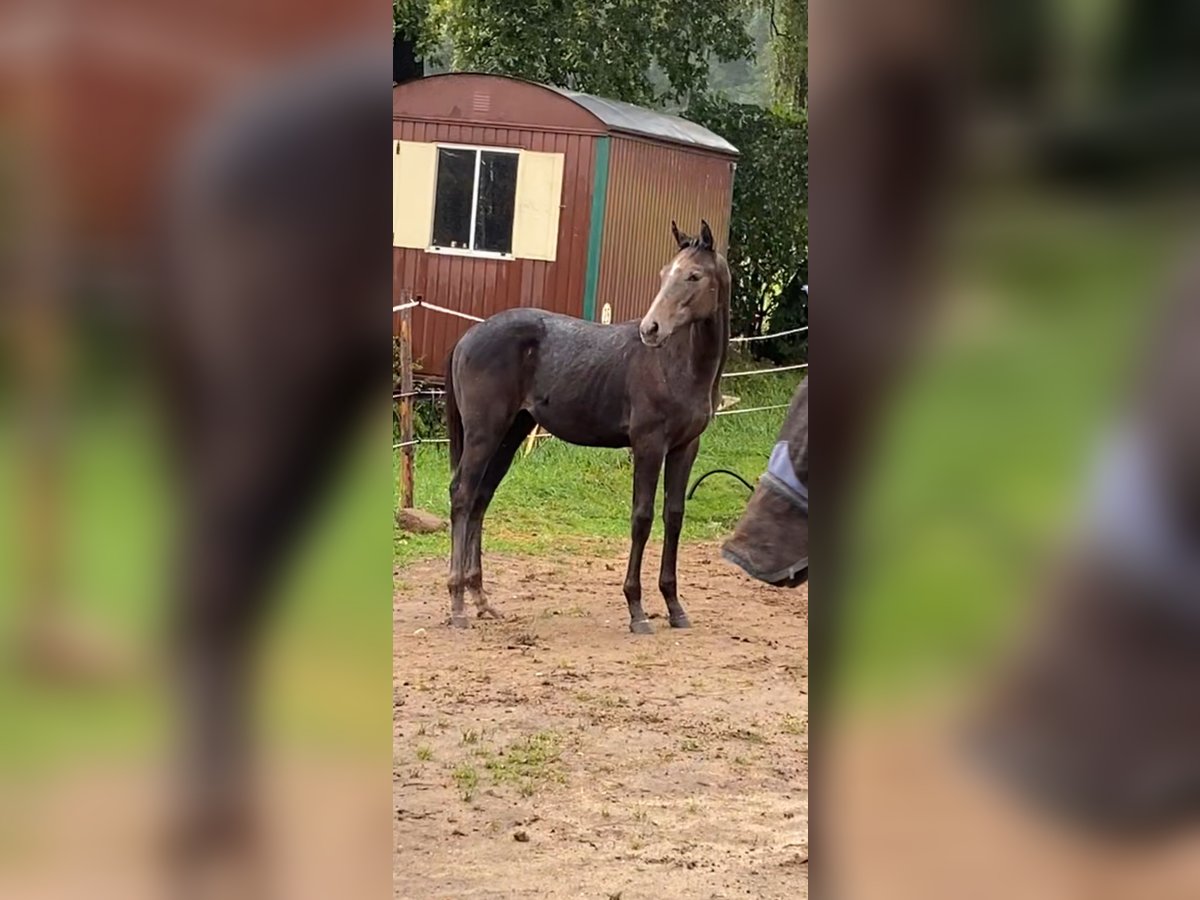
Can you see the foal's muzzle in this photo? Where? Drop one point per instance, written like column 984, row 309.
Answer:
column 650, row 333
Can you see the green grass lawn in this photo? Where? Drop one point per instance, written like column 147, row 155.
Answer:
column 563, row 498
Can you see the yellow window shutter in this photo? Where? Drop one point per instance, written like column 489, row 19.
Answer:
column 539, row 193
column 414, row 177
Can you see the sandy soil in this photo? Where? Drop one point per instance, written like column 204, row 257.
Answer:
column 554, row 754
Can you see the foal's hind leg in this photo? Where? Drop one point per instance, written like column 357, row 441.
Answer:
column 497, row 468
column 464, row 488
column 675, row 479
column 646, row 465
column 484, row 432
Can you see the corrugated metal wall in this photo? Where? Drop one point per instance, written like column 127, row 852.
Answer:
column 649, row 184
column 482, row 286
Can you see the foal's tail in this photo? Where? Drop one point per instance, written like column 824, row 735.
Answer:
column 454, row 423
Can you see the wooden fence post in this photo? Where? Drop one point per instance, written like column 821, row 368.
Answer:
column 406, row 406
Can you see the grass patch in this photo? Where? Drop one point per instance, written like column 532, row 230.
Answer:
column 528, row 763
column 793, row 724
column 467, row 780
column 425, row 753
column 606, row 701
column 744, row 734
column 526, row 638
column 572, row 612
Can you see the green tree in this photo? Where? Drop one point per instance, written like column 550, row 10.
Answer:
column 666, row 54
column 770, row 204
column 789, row 53
column 768, row 238
column 411, row 19
column 611, row 48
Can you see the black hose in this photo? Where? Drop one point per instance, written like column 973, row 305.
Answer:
column 696, row 483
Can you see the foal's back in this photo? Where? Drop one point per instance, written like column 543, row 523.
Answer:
column 571, row 375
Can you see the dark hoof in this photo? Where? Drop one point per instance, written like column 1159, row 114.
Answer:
column 641, row 626
column 490, row 611
column 460, row 622
column 680, row 622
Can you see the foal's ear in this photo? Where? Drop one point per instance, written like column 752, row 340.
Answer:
column 680, row 238
column 706, row 238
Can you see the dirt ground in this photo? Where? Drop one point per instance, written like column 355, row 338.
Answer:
column 554, row 754
column 916, row 820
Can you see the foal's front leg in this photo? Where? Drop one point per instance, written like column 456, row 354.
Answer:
column 645, row 483
column 675, row 480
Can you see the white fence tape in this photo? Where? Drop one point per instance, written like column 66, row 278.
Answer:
column 425, row 304
column 765, row 371
column 767, row 337
column 738, row 412
column 415, row 441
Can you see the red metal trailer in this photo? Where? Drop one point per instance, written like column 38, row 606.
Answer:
column 509, row 193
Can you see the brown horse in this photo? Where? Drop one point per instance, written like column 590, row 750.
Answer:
column 652, row 386
column 770, row 542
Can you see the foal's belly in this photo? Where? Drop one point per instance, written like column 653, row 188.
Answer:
column 583, row 424
column 580, row 415
column 593, row 424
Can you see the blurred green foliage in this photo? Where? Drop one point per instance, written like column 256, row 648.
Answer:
column 982, row 456
column 328, row 661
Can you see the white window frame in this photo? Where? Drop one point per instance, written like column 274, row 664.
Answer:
column 469, row 251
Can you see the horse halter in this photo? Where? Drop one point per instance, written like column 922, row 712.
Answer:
column 1128, row 522
column 781, row 477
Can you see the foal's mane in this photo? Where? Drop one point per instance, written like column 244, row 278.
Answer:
column 695, row 246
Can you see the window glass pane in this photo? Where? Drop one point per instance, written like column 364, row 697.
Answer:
column 497, row 198
column 452, row 206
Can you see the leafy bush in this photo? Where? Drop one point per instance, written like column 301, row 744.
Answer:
column 429, row 413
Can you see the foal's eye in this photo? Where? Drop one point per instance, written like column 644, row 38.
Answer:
column 695, row 276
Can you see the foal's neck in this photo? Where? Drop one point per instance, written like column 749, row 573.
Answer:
column 702, row 350
column 700, row 358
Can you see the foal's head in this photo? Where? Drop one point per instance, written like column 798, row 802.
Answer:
column 689, row 288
